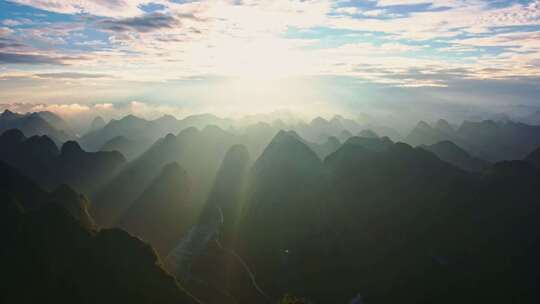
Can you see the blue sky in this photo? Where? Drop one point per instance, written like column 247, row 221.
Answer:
column 454, row 56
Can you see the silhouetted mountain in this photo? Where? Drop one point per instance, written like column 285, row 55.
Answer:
column 450, row 152
column 33, row 157
column 39, row 158
column 284, row 192
column 164, row 212
column 399, row 225
column 51, row 254
column 97, row 168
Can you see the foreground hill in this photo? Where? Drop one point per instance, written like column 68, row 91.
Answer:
column 48, row 256
column 400, row 226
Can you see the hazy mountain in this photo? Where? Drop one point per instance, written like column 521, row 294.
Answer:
column 319, row 129
column 57, row 122
column 165, row 210
column 450, row 152
column 199, row 152
column 489, row 140
column 204, row 257
column 129, row 126
column 147, row 131
column 257, row 136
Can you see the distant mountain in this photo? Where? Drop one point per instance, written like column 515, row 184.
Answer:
column 165, row 210
column 39, row 158
column 38, row 123
column 489, row 140
column 145, row 131
column 450, row 152
column 129, row 126
column 319, row 128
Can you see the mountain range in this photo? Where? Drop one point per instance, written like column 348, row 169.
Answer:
column 210, row 212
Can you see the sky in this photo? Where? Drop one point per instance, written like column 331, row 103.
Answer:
column 448, row 58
